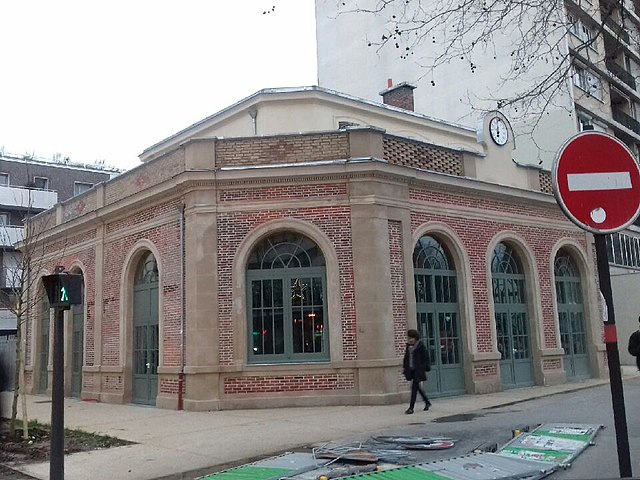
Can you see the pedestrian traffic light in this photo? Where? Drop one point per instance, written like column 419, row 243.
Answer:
column 63, row 289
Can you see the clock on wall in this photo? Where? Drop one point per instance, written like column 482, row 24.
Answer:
column 498, row 131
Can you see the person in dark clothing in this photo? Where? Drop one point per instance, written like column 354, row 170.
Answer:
column 415, row 365
column 634, row 345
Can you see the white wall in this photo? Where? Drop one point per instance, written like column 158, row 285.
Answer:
column 347, row 64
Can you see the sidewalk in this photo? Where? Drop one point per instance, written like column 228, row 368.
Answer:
column 171, row 442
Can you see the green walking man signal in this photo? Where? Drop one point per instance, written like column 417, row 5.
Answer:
column 63, row 289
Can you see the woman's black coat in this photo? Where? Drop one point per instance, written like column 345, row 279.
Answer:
column 421, row 363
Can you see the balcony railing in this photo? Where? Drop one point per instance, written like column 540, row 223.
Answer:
column 7, row 320
column 626, row 120
column 27, row 197
column 618, row 29
column 9, row 236
column 621, row 73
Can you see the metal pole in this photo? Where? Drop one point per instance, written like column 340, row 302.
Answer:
column 56, row 465
column 613, row 358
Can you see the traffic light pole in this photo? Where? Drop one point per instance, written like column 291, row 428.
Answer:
column 56, row 465
column 63, row 290
column 613, row 358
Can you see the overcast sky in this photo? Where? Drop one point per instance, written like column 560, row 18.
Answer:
column 105, row 80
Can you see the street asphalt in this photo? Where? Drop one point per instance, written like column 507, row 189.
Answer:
column 169, row 442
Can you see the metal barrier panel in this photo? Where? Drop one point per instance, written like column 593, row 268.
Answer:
column 286, row 465
column 477, row 466
column 559, row 443
column 249, row 472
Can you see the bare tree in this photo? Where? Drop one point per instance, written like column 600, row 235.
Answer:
column 531, row 45
column 21, row 293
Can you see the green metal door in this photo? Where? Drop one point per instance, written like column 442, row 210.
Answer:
column 77, row 349
column 43, row 381
column 145, row 333
column 438, row 319
column 512, row 326
column 573, row 336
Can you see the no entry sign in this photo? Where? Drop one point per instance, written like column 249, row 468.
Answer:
column 596, row 181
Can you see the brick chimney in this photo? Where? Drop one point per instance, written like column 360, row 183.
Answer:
column 400, row 95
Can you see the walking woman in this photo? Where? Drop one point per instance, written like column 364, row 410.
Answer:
column 416, row 364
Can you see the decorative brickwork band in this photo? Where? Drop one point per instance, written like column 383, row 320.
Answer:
column 289, row 383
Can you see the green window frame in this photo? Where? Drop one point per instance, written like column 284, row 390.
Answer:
column 510, row 300
column 286, row 298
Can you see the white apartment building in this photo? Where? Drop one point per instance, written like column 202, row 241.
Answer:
column 602, row 40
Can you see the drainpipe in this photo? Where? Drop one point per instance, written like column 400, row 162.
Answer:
column 254, row 120
column 184, row 309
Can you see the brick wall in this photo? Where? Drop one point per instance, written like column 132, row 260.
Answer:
column 79, row 205
column 485, row 370
column 145, row 176
column 284, row 192
column 476, row 235
column 86, row 258
column 400, row 96
column 166, row 239
column 281, row 149
column 112, row 383
column 289, row 383
column 555, row 364
column 170, row 386
column 398, row 285
column 335, row 222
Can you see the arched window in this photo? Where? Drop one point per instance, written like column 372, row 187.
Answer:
column 286, row 281
column 512, row 324
column 146, row 331
column 147, row 271
column 430, row 254
column 573, row 336
column 504, row 260
column 564, row 266
column 437, row 315
column 43, row 381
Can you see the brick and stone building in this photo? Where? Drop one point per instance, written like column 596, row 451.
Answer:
column 276, row 252
column 598, row 42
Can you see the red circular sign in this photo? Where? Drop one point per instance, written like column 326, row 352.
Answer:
column 596, row 182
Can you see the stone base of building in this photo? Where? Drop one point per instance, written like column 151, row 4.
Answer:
column 309, row 399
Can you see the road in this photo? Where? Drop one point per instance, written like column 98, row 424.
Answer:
column 495, row 425
column 592, row 406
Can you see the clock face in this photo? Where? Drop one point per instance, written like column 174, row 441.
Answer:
column 498, row 131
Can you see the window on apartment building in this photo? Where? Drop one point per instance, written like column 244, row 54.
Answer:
column 81, row 187
column 12, row 269
column 623, row 250
column 578, row 28
column 287, row 314
column 4, row 179
column 586, row 123
column 41, row 183
column 4, row 219
column 587, row 81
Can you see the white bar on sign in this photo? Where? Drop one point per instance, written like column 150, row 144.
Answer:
column 579, row 182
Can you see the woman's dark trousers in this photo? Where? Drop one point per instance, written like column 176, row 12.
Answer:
column 415, row 388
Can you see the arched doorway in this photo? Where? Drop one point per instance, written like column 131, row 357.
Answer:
column 145, row 331
column 77, row 346
column 512, row 324
column 45, row 312
column 573, row 336
column 287, row 311
column 438, row 317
